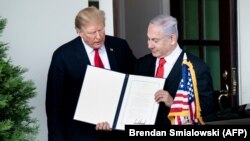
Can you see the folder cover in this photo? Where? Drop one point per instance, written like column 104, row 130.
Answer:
column 118, row 98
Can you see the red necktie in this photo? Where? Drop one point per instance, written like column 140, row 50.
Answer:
column 160, row 69
column 97, row 59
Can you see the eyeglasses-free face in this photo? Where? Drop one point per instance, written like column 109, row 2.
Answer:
column 93, row 35
column 160, row 44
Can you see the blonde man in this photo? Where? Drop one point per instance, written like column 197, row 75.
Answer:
column 67, row 71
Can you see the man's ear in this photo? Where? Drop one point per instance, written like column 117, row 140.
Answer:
column 173, row 39
column 79, row 32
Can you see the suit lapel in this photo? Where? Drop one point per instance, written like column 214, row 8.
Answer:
column 111, row 54
column 81, row 53
column 176, row 68
column 147, row 66
column 174, row 77
column 152, row 65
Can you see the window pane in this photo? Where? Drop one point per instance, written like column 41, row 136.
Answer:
column 211, row 20
column 212, row 58
column 94, row 3
column 192, row 49
column 190, row 21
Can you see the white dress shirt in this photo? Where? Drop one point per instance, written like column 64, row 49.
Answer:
column 170, row 61
column 102, row 53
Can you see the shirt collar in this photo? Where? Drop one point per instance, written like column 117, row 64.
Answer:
column 173, row 56
column 90, row 50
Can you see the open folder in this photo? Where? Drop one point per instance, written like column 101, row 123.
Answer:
column 118, row 98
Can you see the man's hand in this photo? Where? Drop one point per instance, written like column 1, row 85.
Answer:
column 104, row 126
column 164, row 96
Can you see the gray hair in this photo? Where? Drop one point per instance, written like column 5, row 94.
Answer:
column 168, row 24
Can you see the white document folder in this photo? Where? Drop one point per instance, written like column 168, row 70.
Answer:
column 120, row 99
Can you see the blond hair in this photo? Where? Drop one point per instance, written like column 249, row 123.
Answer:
column 88, row 15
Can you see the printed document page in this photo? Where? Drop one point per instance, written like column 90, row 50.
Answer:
column 102, row 91
column 139, row 106
column 99, row 96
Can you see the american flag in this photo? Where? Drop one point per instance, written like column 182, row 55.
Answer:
column 185, row 109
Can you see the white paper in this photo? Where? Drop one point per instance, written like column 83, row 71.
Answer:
column 101, row 92
column 99, row 96
column 139, row 106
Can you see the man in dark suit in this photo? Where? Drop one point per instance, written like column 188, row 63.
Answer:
column 67, row 70
column 162, row 41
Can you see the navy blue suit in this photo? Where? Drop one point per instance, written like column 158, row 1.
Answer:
column 65, row 77
column 146, row 66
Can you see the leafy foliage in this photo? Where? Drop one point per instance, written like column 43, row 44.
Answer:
column 15, row 93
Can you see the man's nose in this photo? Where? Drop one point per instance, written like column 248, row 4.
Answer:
column 98, row 35
column 150, row 44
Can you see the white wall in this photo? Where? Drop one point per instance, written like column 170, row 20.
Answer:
column 35, row 28
column 107, row 6
column 244, row 49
